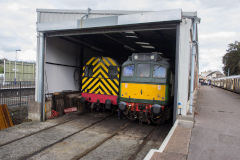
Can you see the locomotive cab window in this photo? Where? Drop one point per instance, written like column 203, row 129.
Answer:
column 128, row 71
column 112, row 72
column 143, row 70
column 88, row 72
column 159, row 71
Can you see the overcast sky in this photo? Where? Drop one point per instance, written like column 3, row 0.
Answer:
column 220, row 23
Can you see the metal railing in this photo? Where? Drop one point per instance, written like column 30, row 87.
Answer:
column 17, row 93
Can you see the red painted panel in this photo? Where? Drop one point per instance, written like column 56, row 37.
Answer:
column 135, row 107
column 73, row 109
column 93, row 98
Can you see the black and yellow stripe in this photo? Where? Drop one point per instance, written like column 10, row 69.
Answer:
column 99, row 82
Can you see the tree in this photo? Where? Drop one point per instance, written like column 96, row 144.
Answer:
column 231, row 59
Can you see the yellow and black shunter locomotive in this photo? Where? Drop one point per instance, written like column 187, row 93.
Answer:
column 100, row 82
column 144, row 88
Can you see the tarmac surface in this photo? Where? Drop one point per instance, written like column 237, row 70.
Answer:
column 216, row 133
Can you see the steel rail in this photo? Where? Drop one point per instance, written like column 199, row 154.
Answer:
column 27, row 135
column 62, row 139
column 77, row 157
column 140, row 147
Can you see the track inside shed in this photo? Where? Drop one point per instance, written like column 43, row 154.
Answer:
column 86, row 136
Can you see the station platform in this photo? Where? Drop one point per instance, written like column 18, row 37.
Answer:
column 215, row 133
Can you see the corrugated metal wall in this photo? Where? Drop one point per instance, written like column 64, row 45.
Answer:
column 46, row 16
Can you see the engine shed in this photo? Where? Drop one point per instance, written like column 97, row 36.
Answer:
column 66, row 39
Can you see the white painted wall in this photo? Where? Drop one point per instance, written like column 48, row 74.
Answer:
column 59, row 78
column 184, row 65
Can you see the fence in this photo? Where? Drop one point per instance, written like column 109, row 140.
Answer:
column 17, row 93
column 21, row 71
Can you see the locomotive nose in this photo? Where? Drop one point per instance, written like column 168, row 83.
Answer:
column 122, row 106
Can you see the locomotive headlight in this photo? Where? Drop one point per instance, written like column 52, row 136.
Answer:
column 135, row 57
column 152, row 57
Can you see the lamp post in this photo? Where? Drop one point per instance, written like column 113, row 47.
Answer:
column 15, row 70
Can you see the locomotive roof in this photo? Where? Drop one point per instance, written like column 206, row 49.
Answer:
column 146, row 57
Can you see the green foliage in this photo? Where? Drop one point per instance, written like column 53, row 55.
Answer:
column 1, row 69
column 231, row 59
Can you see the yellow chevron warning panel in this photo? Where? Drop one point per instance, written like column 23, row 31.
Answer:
column 5, row 118
column 101, row 76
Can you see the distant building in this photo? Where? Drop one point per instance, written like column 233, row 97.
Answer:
column 214, row 75
column 207, row 76
column 203, row 75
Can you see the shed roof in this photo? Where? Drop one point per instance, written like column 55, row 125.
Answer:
column 81, row 11
column 58, row 19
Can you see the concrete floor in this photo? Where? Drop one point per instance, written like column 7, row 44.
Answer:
column 216, row 134
column 121, row 146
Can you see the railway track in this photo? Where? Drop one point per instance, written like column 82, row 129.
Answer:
column 77, row 157
column 140, row 147
column 62, row 139
column 124, row 140
column 131, row 156
column 27, row 135
column 12, row 144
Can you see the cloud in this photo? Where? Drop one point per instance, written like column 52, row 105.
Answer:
column 219, row 23
column 215, row 35
column 211, row 59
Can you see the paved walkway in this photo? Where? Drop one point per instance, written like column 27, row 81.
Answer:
column 177, row 147
column 216, row 134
